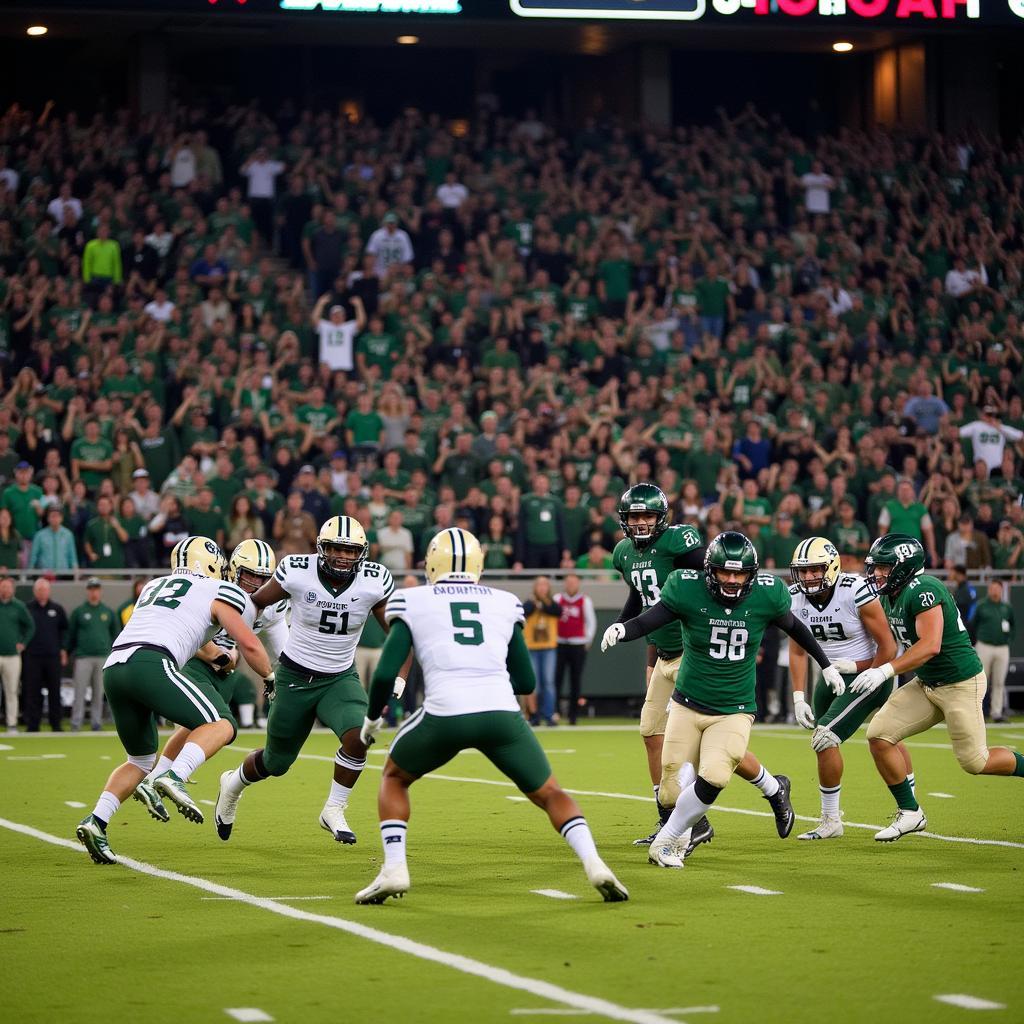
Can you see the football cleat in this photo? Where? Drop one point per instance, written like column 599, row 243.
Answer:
column 170, row 786
column 647, row 840
column 665, row 854
column 601, row 878
column 150, row 799
column 830, row 827
column 393, row 880
column 332, row 818
column 702, row 832
column 227, row 805
column 782, row 807
column 902, row 824
column 93, row 836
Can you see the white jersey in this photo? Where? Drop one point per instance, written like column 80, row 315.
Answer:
column 326, row 620
column 461, row 633
column 837, row 626
column 271, row 626
column 173, row 612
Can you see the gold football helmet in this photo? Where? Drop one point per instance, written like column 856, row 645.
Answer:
column 815, row 566
column 454, row 555
column 342, row 547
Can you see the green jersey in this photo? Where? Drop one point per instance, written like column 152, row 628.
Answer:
column 647, row 569
column 993, row 623
column 956, row 659
column 719, row 671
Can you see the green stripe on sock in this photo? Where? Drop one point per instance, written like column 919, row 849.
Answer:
column 903, row 793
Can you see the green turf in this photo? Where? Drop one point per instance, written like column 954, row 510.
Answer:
column 859, row 934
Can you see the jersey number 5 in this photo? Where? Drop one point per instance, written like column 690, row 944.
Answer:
column 468, row 631
column 728, row 643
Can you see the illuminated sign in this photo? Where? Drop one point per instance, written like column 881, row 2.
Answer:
column 939, row 12
column 375, row 6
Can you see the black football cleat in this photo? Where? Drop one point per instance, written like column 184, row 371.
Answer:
column 782, row 807
column 702, row 832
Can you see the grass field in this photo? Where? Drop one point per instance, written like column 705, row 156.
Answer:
column 191, row 927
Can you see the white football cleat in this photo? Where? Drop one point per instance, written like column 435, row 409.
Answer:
column 392, row 881
column 830, row 827
column 665, row 854
column 332, row 818
column 601, row 878
column 903, row 823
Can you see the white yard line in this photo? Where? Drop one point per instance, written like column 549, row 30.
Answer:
column 969, row 1002
column 554, row 894
column 756, row 890
column 955, row 887
column 971, row 841
column 559, row 1012
column 290, row 899
column 247, row 1014
column 398, row 943
column 73, row 803
column 943, row 796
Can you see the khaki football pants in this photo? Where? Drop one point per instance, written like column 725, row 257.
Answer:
column 654, row 713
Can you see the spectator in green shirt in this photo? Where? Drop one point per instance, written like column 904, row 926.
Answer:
column 540, row 543
column 850, row 536
column 91, row 456
column 105, row 537
column 497, row 545
column 905, row 514
column 16, row 629
column 204, row 518
column 714, row 301
column 781, row 543
column 23, row 498
column 10, row 541
column 364, row 428
column 992, row 626
column 101, row 261
column 91, row 632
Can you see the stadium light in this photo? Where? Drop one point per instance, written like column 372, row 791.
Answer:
column 842, row 47
column 407, row 40
column 37, row 30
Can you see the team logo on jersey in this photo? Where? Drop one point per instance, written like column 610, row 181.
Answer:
column 804, row 612
column 310, row 597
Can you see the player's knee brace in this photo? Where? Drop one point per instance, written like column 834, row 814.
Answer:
column 706, row 792
column 145, row 764
column 973, row 762
column 822, row 738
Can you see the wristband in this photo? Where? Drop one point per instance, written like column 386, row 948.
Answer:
column 887, row 670
column 798, row 695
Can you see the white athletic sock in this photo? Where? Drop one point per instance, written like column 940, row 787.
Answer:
column 688, row 811
column 829, row 801
column 766, row 782
column 246, row 715
column 106, row 807
column 576, row 832
column 339, row 795
column 913, row 785
column 190, row 758
column 685, row 776
column 657, row 790
column 393, row 834
column 161, row 766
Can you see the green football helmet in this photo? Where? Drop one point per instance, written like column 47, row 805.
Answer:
column 730, row 551
column 643, row 498
column 902, row 553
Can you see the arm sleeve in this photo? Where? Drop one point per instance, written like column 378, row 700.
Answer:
column 792, row 626
column 396, row 649
column 655, row 617
column 633, row 607
column 692, row 559
column 518, row 663
column 1011, row 433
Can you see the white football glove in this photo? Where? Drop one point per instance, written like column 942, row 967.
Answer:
column 871, row 679
column 399, row 688
column 370, row 727
column 612, row 635
column 832, row 678
column 802, row 710
column 846, row 666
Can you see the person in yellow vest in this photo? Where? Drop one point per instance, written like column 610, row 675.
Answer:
column 541, row 634
column 124, row 611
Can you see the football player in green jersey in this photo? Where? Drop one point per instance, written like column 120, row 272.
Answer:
column 950, row 683
column 724, row 613
column 650, row 550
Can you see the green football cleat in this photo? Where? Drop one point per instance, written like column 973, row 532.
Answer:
column 92, row 835
column 150, row 799
column 170, row 786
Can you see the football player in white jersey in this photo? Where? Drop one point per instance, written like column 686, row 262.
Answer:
column 332, row 595
column 142, row 679
column 848, row 622
column 252, row 564
column 469, row 641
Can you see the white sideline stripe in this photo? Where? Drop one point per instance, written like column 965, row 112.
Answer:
column 35, row 757
column 247, row 1014
column 646, row 799
column 105, row 757
column 73, row 803
column 215, row 899
column 464, row 964
column 518, row 799
column 955, row 887
column 554, row 894
column 756, row 890
column 969, row 1002
column 6, row 746
column 559, row 1012
column 943, row 796
column 209, row 803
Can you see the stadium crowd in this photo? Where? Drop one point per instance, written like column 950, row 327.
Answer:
column 237, row 324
